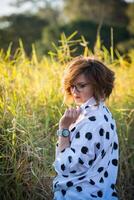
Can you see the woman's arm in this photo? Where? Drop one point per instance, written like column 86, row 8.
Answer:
column 67, row 119
column 80, row 154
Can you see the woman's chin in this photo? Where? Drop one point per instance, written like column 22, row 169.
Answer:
column 78, row 101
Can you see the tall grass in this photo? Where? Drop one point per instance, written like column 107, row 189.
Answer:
column 31, row 104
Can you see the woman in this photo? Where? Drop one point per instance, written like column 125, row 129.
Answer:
column 87, row 152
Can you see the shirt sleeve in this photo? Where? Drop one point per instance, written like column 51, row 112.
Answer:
column 77, row 158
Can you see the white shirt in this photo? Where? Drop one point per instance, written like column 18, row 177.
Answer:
column 87, row 169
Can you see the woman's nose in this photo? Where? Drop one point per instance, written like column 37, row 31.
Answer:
column 74, row 90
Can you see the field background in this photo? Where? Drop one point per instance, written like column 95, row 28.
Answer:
column 31, row 104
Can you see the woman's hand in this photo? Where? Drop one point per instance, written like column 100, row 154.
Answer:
column 69, row 117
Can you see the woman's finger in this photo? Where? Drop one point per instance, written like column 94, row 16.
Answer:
column 74, row 113
column 78, row 110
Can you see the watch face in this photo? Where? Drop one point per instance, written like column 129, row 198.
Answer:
column 65, row 132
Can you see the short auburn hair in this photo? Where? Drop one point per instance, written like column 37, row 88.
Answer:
column 101, row 77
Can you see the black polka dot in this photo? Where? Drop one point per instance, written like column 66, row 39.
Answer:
column 81, row 161
column 106, row 118
column 115, row 162
column 100, row 169
column 107, row 135
column 88, row 135
column 101, row 132
column 77, row 135
column 73, row 129
column 106, row 109
column 112, row 186
column 93, row 118
column 86, row 106
column 63, row 192
column 79, row 189
column 63, row 150
column 73, row 172
column 92, row 182
column 114, row 194
column 73, row 150
column 99, row 193
column 84, row 150
column 55, row 185
column 63, row 167
column 92, row 195
column 70, row 159
column 112, row 126
column 115, row 146
column 82, row 177
column 66, row 176
column 105, row 174
column 57, row 144
column 103, row 153
column 98, row 145
column 69, row 183
column 112, row 151
column 95, row 157
column 90, row 162
column 101, row 180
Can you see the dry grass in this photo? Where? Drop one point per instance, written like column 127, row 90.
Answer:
column 30, row 107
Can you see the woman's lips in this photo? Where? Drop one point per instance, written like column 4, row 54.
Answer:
column 76, row 97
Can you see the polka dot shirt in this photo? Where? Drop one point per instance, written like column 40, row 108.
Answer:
column 87, row 170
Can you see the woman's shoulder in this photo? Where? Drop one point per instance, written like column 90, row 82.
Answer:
column 93, row 119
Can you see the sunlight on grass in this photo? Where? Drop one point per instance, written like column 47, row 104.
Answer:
column 31, row 104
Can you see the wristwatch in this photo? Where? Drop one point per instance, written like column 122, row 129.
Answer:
column 63, row 132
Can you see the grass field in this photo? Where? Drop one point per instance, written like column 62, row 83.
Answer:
column 31, row 104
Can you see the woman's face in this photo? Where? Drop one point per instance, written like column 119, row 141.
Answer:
column 81, row 90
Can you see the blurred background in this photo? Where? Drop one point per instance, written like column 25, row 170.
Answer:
column 42, row 21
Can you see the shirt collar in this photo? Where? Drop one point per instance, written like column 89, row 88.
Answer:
column 89, row 105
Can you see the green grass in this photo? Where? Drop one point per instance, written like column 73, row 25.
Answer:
column 31, row 104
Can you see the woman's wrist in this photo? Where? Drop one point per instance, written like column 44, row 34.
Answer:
column 63, row 127
column 63, row 142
